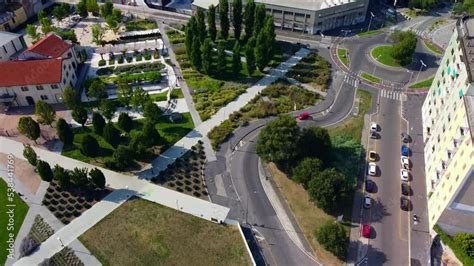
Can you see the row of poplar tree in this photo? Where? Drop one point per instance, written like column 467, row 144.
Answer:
column 258, row 42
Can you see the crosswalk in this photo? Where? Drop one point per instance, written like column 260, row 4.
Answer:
column 392, row 94
column 352, row 80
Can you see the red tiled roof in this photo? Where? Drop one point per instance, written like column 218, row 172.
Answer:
column 30, row 72
column 51, row 46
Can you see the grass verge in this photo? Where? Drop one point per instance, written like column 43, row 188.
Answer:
column 383, row 55
column 422, row 84
column 343, row 56
column 370, row 32
column 432, row 47
column 146, row 233
column 159, row 97
column 10, row 197
column 371, row 78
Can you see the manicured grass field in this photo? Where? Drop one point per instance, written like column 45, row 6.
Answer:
column 383, row 55
column 343, row 56
column 159, row 97
column 20, row 211
column 144, row 233
column 422, row 84
column 369, row 77
column 371, row 32
column 432, row 47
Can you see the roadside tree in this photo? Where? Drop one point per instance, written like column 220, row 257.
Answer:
column 305, row 170
column 330, row 190
column 79, row 114
column 237, row 18
column 111, row 134
column 333, row 237
column 70, row 97
column 97, row 178
column 29, row 128
column 211, row 22
column 224, row 18
column 45, row 113
column 89, row 146
column 64, row 132
column 44, row 171
column 30, row 154
column 98, row 123
column 125, row 122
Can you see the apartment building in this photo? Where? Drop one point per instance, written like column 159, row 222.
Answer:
column 11, row 44
column 39, row 73
column 11, row 15
column 308, row 16
column 448, row 132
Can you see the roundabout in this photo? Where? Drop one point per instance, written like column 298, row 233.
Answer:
column 382, row 54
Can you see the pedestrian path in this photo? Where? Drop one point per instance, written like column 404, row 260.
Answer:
column 392, row 94
column 352, row 80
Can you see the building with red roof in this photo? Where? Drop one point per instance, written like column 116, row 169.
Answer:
column 39, row 73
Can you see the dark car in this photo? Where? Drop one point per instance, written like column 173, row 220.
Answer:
column 405, row 137
column 404, row 204
column 405, row 189
column 369, row 185
column 373, row 134
column 405, row 150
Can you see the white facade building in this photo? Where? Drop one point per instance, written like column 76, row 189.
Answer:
column 11, row 44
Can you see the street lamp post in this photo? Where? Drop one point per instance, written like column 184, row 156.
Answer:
column 421, row 67
column 411, row 75
column 370, row 22
column 375, row 65
column 60, row 241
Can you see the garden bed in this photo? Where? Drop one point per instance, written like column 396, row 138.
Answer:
column 343, row 56
column 383, row 55
column 432, row 47
column 312, row 69
column 370, row 78
column 140, row 24
column 186, row 174
column 422, row 84
column 370, row 32
column 131, row 69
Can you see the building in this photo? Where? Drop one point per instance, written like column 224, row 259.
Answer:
column 448, row 132
column 308, row 16
column 11, row 44
column 11, row 15
column 40, row 73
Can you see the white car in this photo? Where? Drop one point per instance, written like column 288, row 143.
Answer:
column 404, row 175
column 372, row 169
column 367, row 202
column 373, row 127
column 405, row 162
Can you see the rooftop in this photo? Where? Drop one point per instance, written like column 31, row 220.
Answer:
column 51, row 46
column 30, row 72
column 6, row 37
column 465, row 28
column 312, row 5
column 469, row 103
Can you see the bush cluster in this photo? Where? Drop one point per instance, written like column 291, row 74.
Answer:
column 131, row 69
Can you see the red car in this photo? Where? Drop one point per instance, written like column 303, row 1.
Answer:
column 304, row 116
column 366, row 230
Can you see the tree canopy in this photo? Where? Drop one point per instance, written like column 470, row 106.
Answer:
column 315, row 142
column 329, row 189
column 79, row 114
column 30, row 154
column 306, row 169
column 403, row 50
column 29, row 128
column 333, row 237
column 65, row 133
column 45, row 113
column 44, row 171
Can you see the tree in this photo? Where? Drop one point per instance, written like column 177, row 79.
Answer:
column 221, row 59
column 121, row 158
column 112, row 24
column 98, row 123
column 45, row 113
column 237, row 18
column 28, row 127
column 31, row 31
column 139, row 98
column 60, row 12
column 97, row 178
column 201, row 25
column 92, row 6
column 190, row 32
column 44, row 171
column 329, row 189
column 46, row 26
column 106, row 9
column 108, row 109
column 67, row 35
column 270, row 36
column 41, row 14
column 30, row 154
column 125, row 122
column 97, row 34
column 117, row 14
column 333, row 237
column 97, row 89
column 196, row 54
column 65, row 133
column 89, row 146
column 79, row 114
column 79, row 177
column 261, row 51
column 150, row 134
column 250, row 56
column 62, row 176
column 315, row 142
column 465, row 241
column 277, row 142
column 111, row 134
column 152, row 111
column 249, row 18
column 28, row 245
column 206, row 56
column 259, row 19
column 138, row 144
column 236, row 63
column 124, row 93
column 70, row 97
column 82, row 9
column 224, row 18
column 403, row 50
column 211, row 22
column 306, row 170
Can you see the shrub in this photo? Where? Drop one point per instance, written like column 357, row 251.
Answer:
column 111, row 134
column 138, row 58
column 102, row 62
column 333, row 237
column 220, row 133
column 120, row 60
column 125, row 122
column 147, row 56
column 97, row 177
column 458, row 250
column 129, row 59
column 330, row 190
column 65, row 133
column 306, row 170
column 28, row 246
column 98, row 123
column 30, row 154
column 44, row 171
column 89, row 146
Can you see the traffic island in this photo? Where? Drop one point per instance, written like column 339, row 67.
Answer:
column 370, row 78
column 383, row 55
column 343, row 56
column 424, row 84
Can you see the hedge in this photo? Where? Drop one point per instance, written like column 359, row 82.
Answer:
column 458, row 251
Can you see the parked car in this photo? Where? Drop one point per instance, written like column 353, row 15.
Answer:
column 365, row 230
column 373, row 127
column 404, row 174
column 372, row 169
column 373, row 134
column 404, row 204
column 369, row 185
column 405, row 162
column 304, row 116
column 367, row 202
column 405, row 150
column 405, row 137
column 372, row 156
column 405, row 189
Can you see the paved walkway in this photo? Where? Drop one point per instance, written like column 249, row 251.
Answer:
column 201, row 130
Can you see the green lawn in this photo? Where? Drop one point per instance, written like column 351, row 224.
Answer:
column 19, row 210
column 422, row 84
column 371, row 32
column 140, row 232
column 432, row 47
column 371, row 78
column 383, row 55
column 343, row 56
column 438, row 23
column 159, row 97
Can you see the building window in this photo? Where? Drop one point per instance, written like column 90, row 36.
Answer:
column 64, row 67
column 44, row 97
column 54, row 86
column 457, row 178
column 39, row 87
column 69, row 67
column 69, row 54
column 23, row 88
column 67, row 74
column 73, row 64
column 73, row 76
